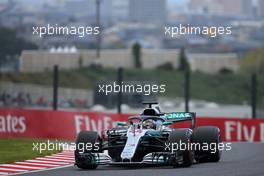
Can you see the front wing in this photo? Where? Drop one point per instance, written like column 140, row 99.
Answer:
column 156, row 158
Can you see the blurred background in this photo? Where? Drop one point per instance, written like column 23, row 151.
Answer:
column 225, row 74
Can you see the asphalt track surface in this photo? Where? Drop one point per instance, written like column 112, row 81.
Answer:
column 245, row 159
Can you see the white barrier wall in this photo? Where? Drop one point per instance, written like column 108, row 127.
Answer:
column 38, row 61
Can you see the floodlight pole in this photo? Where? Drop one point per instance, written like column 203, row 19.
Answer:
column 55, row 87
column 98, row 23
column 120, row 94
column 254, row 95
column 187, row 89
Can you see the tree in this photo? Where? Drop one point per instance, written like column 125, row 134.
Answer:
column 184, row 64
column 136, row 51
column 253, row 62
column 165, row 66
column 225, row 71
column 80, row 61
column 11, row 45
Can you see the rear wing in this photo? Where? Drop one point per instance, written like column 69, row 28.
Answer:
column 180, row 116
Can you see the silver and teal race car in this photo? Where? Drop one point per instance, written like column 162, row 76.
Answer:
column 148, row 139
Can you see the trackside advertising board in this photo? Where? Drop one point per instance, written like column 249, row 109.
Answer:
column 66, row 125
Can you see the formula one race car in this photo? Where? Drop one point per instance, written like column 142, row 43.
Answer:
column 147, row 139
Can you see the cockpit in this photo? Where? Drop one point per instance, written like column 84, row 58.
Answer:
column 146, row 122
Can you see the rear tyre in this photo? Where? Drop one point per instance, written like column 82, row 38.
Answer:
column 181, row 137
column 87, row 138
column 210, row 136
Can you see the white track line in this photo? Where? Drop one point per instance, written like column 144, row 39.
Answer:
column 60, row 157
column 55, row 157
column 70, row 152
column 19, row 166
column 69, row 157
column 26, row 172
column 63, row 156
column 56, row 160
column 64, row 153
column 37, row 164
column 14, row 170
column 48, row 162
column 3, row 173
column 67, row 151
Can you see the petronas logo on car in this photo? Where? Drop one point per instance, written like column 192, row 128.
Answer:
column 177, row 115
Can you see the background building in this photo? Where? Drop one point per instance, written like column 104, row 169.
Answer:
column 260, row 8
column 86, row 9
column 38, row 61
column 120, row 10
column 222, row 7
column 147, row 11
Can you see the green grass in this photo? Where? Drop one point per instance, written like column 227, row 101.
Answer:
column 12, row 150
column 221, row 88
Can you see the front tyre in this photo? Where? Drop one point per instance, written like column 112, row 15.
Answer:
column 210, row 136
column 182, row 157
column 83, row 157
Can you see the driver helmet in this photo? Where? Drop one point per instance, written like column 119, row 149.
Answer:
column 149, row 124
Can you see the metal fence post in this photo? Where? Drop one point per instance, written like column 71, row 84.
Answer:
column 98, row 13
column 186, row 89
column 119, row 82
column 254, row 95
column 55, row 87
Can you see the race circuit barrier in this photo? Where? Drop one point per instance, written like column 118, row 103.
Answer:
column 47, row 124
